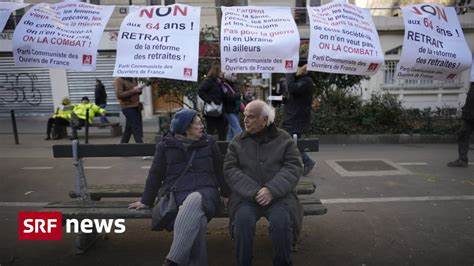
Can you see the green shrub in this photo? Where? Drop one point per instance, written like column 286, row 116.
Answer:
column 342, row 113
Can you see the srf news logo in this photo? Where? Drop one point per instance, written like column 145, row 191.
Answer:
column 49, row 226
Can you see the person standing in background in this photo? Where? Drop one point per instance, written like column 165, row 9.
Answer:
column 210, row 91
column 101, row 98
column 297, row 107
column 128, row 93
column 464, row 135
column 231, row 106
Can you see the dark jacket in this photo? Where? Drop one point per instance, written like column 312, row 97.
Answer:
column 210, row 91
column 100, row 94
column 468, row 108
column 205, row 174
column 297, row 109
column 269, row 160
column 231, row 98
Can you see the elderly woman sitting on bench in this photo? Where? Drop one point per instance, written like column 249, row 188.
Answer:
column 196, row 190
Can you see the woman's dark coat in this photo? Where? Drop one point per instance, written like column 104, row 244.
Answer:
column 297, row 109
column 210, row 91
column 468, row 108
column 205, row 174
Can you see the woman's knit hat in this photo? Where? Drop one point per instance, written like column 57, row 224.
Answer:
column 182, row 120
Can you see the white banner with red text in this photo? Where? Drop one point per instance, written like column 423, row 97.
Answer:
column 64, row 35
column 259, row 40
column 433, row 46
column 159, row 41
column 343, row 39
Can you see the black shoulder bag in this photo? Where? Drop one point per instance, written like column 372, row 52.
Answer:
column 165, row 211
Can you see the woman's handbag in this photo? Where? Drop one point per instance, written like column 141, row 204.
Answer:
column 212, row 109
column 165, row 211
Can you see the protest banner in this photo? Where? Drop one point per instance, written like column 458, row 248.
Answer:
column 6, row 8
column 63, row 35
column 159, row 41
column 343, row 39
column 433, row 46
column 259, row 40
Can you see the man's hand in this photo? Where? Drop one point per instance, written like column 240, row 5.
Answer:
column 225, row 201
column 139, row 88
column 264, row 196
column 137, row 205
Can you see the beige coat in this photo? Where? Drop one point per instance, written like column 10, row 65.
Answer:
column 126, row 95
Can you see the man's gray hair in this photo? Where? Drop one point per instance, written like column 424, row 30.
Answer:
column 267, row 111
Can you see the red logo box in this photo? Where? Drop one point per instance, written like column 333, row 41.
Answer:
column 372, row 67
column 188, row 72
column 86, row 59
column 451, row 76
column 288, row 64
column 40, row 226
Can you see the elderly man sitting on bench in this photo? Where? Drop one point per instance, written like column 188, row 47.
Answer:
column 262, row 167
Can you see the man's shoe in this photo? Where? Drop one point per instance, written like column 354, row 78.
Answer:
column 47, row 138
column 168, row 262
column 458, row 163
column 308, row 167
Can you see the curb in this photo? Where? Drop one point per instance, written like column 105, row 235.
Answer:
column 387, row 139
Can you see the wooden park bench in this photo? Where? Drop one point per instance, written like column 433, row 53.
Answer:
column 87, row 202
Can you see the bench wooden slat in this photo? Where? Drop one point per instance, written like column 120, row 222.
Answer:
column 111, row 210
column 304, row 187
column 79, row 204
column 142, row 149
column 104, row 125
column 105, row 150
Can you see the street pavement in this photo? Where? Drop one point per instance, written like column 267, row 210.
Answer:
column 421, row 215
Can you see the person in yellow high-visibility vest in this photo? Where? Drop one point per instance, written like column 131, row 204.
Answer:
column 60, row 119
column 79, row 113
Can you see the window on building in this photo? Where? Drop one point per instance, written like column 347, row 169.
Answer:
column 300, row 12
column 301, row 16
column 14, row 19
column 389, row 72
column 162, row 2
column 395, row 51
column 94, row 2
